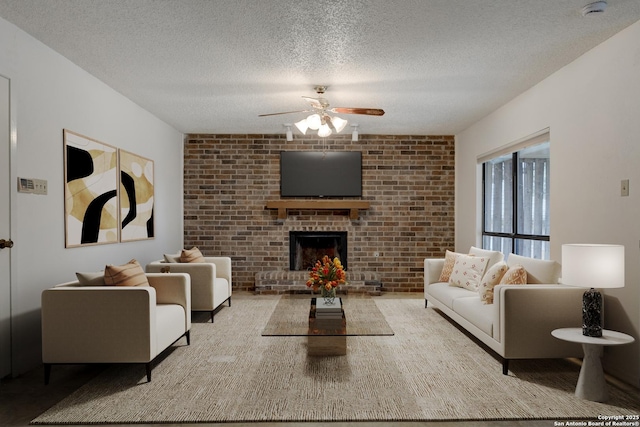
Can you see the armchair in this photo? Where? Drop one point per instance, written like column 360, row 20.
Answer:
column 114, row 324
column 210, row 280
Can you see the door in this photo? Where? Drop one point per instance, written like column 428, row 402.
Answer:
column 5, row 228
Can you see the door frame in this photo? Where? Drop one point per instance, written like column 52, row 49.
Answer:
column 13, row 194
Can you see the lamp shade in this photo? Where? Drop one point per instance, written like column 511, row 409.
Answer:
column 302, row 126
column 324, row 130
column 338, row 123
column 593, row 265
column 314, row 122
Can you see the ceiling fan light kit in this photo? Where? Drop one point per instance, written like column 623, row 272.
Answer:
column 323, row 125
column 320, row 120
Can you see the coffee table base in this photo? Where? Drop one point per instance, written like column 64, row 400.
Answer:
column 327, row 345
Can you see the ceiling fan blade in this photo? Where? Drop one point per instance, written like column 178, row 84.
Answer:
column 365, row 111
column 285, row 112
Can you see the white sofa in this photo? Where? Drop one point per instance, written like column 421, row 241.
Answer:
column 114, row 324
column 518, row 324
column 210, row 280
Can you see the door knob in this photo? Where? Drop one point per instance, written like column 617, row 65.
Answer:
column 5, row 244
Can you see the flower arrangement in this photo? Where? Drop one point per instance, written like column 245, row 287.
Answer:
column 327, row 273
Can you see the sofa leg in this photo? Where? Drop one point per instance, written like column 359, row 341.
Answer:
column 188, row 337
column 212, row 311
column 425, row 303
column 148, row 367
column 505, row 366
column 47, row 373
column 229, row 301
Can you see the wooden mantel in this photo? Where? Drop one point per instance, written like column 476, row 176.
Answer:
column 351, row 205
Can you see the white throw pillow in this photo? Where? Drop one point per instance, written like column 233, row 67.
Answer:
column 494, row 256
column 91, row 279
column 490, row 279
column 172, row 257
column 538, row 270
column 468, row 271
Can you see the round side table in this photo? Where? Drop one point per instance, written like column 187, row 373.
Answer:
column 591, row 383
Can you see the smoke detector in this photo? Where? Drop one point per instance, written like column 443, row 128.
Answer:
column 594, row 8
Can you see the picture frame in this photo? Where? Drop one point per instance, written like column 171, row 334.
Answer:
column 136, row 197
column 90, row 191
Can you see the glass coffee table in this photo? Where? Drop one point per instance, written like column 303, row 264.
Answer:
column 296, row 315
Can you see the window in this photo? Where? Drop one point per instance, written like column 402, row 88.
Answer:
column 516, row 201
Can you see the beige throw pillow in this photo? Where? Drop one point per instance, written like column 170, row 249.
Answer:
column 130, row 274
column 191, row 255
column 449, row 260
column 468, row 271
column 515, row 275
column 490, row 279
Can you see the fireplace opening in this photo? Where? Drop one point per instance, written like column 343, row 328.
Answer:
column 306, row 247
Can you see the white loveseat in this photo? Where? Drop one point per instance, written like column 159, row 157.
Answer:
column 518, row 324
column 114, row 324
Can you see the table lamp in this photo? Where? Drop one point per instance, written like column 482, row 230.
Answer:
column 592, row 266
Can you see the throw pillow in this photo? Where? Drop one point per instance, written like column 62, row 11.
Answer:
column 192, row 255
column 468, row 271
column 494, row 256
column 449, row 260
column 130, row 274
column 91, row 279
column 172, row 257
column 515, row 275
column 538, row 270
column 490, row 279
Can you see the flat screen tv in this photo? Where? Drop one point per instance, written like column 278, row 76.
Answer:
column 321, row 174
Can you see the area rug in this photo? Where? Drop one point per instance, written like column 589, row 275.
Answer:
column 428, row 370
column 291, row 316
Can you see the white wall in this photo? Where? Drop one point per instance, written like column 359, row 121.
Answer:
column 592, row 109
column 50, row 93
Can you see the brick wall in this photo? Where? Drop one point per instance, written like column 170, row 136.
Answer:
column 409, row 181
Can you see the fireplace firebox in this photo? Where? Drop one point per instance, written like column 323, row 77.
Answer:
column 306, row 247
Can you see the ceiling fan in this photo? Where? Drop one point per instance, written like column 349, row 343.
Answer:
column 320, row 120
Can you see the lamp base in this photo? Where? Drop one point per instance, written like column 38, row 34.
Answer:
column 592, row 313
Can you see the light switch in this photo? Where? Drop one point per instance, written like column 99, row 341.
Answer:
column 624, row 187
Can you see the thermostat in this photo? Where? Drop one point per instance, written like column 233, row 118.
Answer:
column 33, row 186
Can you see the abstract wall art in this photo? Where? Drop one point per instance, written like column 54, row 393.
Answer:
column 91, row 191
column 136, row 197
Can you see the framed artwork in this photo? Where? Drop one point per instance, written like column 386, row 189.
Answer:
column 136, row 197
column 90, row 191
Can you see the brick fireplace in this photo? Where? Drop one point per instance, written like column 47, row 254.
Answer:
column 306, row 247
column 408, row 181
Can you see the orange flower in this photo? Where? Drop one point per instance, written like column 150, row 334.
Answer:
column 328, row 273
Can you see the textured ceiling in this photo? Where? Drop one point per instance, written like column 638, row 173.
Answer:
column 434, row 66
